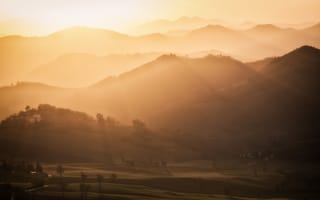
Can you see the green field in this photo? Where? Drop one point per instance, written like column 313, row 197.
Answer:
column 184, row 180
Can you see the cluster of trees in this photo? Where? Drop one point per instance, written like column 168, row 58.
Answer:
column 36, row 133
column 20, row 167
column 257, row 155
column 84, row 186
column 46, row 114
column 23, row 171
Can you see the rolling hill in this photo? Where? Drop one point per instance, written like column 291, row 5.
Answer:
column 292, row 69
column 51, row 130
column 216, row 101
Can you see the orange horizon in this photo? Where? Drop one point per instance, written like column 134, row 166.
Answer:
column 42, row 18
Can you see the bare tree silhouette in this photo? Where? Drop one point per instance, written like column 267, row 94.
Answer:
column 99, row 180
column 113, row 177
column 39, row 168
column 60, row 171
column 83, row 186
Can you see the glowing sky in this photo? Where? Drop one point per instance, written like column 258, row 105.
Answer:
column 44, row 16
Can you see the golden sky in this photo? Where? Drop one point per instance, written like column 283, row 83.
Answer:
column 45, row 16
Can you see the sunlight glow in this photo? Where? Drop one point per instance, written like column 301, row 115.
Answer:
column 49, row 16
column 43, row 17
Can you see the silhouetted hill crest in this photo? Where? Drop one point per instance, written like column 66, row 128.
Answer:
column 153, row 36
column 211, row 27
column 266, row 27
column 25, row 84
column 300, row 56
column 298, row 70
column 304, row 54
column 180, row 65
column 85, row 31
column 167, row 57
column 314, row 28
column 187, row 19
column 219, row 56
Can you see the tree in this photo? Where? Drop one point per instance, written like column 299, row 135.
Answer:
column 60, row 171
column 100, row 119
column 83, row 177
column 27, row 108
column 7, row 167
column 111, row 122
column 139, row 126
column 137, row 123
column 38, row 180
column 39, row 168
column 29, row 167
column 102, row 122
column 83, row 186
column 113, row 177
column 99, row 180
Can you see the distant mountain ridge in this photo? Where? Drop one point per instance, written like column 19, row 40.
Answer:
column 20, row 55
column 182, row 23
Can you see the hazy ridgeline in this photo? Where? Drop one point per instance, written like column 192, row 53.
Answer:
column 80, row 56
column 198, row 108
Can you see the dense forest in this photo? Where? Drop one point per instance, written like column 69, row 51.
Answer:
column 48, row 133
column 56, row 134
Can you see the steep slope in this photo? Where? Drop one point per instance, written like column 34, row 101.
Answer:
column 249, row 111
column 298, row 70
column 167, row 83
column 286, row 91
column 214, row 70
column 280, row 40
column 262, row 113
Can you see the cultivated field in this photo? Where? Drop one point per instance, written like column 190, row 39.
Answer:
column 184, row 180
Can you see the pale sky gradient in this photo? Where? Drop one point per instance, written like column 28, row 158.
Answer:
column 38, row 17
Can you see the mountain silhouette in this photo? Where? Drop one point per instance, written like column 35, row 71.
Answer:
column 265, row 28
column 86, row 32
column 20, row 55
column 298, row 70
column 313, row 30
column 173, row 81
column 213, row 95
